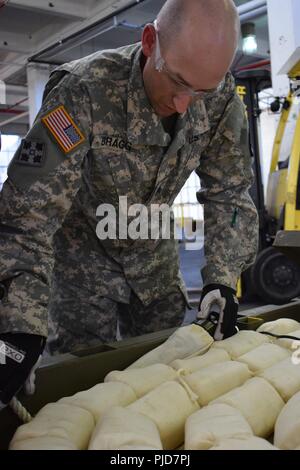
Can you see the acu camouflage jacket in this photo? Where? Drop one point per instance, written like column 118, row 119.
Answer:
column 114, row 145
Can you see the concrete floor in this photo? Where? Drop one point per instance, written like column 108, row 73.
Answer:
column 191, row 262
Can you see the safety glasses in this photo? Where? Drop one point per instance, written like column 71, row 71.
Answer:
column 182, row 88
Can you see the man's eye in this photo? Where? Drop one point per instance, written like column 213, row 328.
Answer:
column 180, row 84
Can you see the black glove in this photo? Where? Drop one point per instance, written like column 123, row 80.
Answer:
column 19, row 357
column 219, row 304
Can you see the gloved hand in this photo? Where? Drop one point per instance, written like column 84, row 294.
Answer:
column 219, row 304
column 19, row 357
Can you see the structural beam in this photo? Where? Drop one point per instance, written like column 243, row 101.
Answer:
column 103, row 9
column 250, row 6
column 71, row 9
column 13, row 119
column 8, row 70
column 16, row 42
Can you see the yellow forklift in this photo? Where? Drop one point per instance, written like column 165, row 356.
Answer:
column 274, row 278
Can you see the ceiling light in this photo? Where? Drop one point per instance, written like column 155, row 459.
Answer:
column 249, row 38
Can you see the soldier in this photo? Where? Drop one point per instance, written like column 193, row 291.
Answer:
column 132, row 122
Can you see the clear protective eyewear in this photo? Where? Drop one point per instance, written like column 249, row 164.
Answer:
column 160, row 66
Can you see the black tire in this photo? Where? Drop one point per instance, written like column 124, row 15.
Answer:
column 249, row 294
column 276, row 278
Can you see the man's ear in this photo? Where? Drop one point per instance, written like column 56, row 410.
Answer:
column 148, row 40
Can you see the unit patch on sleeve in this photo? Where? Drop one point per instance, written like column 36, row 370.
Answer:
column 63, row 129
column 32, row 153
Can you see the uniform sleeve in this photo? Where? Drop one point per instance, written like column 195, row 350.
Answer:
column 230, row 217
column 43, row 179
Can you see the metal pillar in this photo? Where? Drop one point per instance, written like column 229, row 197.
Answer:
column 284, row 41
column 37, row 77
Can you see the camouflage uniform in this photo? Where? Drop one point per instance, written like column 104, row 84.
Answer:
column 48, row 204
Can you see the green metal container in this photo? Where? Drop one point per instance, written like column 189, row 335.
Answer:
column 70, row 373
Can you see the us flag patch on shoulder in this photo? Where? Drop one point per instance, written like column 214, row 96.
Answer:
column 63, row 129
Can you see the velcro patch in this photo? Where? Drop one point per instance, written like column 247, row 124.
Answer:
column 7, row 350
column 63, row 129
column 32, row 153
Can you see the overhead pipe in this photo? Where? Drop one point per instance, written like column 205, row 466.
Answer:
column 78, row 34
column 256, row 65
column 250, row 15
column 10, row 111
column 14, row 118
column 250, row 6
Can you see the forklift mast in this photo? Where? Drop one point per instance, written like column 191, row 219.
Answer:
column 273, row 277
column 249, row 84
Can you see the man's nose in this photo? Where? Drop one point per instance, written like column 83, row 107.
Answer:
column 182, row 102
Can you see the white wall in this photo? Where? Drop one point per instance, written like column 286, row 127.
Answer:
column 10, row 144
column 268, row 124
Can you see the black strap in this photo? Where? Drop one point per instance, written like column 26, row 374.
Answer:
column 280, row 336
column 3, row 291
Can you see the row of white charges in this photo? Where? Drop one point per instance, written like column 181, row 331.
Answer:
column 190, row 393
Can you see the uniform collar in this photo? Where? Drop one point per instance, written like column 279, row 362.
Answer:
column 144, row 127
column 198, row 118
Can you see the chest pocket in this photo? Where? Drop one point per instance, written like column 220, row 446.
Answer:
column 110, row 165
column 188, row 159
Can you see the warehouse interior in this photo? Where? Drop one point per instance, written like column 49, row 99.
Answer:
column 38, row 36
column 221, row 390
